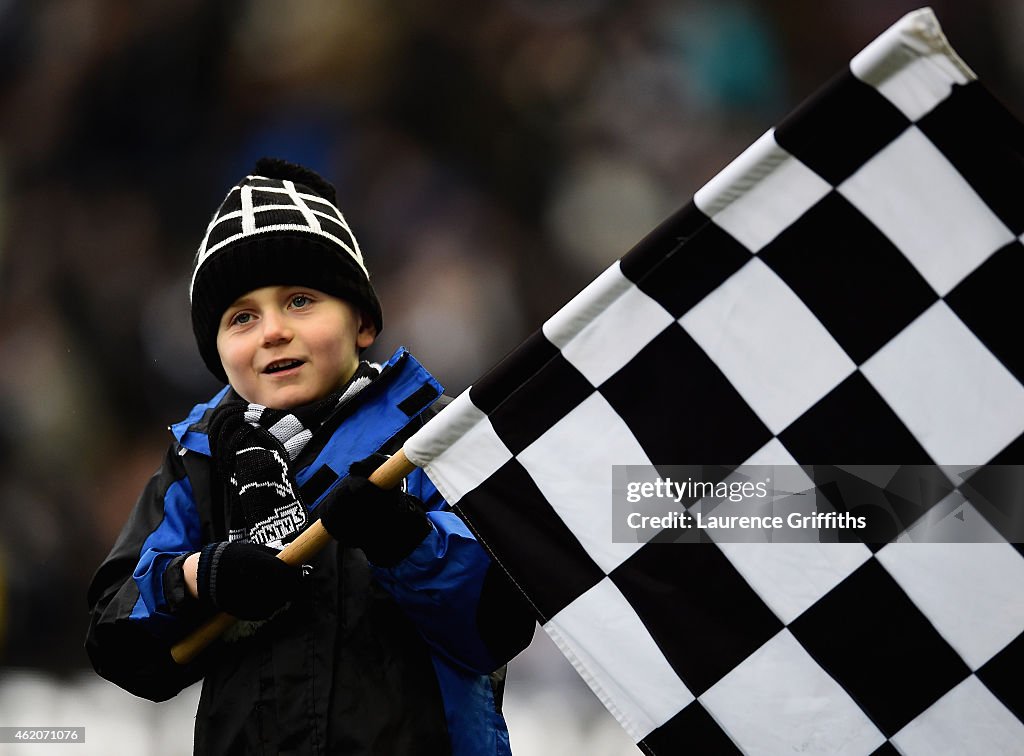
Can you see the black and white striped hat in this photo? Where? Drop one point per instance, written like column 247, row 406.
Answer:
column 279, row 226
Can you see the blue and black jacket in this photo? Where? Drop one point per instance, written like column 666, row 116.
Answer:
column 404, row 660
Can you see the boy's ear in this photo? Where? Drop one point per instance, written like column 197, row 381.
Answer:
column 367, row 332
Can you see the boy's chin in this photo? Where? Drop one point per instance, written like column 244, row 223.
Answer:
column 285, row 398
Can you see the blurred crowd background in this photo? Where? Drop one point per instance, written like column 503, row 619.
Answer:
column 492, row 157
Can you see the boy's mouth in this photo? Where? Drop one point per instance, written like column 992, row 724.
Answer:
column 278, row 366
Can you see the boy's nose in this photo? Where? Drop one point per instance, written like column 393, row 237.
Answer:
column 275, row 329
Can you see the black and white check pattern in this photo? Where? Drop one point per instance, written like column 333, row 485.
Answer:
column 845, row 292
column 263, row 205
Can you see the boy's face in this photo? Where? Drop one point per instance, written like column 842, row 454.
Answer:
column 284, row 346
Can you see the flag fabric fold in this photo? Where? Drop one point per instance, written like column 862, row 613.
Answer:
column 845, row 292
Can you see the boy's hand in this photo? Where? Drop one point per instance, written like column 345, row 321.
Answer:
column 386, row 525
column 245, row 580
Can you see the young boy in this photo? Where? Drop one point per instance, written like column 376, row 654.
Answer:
column 390, row 641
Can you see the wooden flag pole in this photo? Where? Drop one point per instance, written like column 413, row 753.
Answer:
column 306, row 545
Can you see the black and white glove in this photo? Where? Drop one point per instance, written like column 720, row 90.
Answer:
column 386, row 525
column 245, row 580
column 263, row 501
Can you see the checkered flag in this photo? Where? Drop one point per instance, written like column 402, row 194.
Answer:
column 843, row 292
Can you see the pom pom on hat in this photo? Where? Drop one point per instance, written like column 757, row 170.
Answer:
column 279, row 226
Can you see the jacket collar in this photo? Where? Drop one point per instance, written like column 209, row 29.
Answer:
column 192, row 432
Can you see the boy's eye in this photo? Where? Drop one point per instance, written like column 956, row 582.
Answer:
column 300, row 300
column 241, row 318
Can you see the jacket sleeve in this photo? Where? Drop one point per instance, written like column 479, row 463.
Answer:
column 460, row 601
column 135, row 615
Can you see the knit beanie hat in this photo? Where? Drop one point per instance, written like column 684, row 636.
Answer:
column 278, row 227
